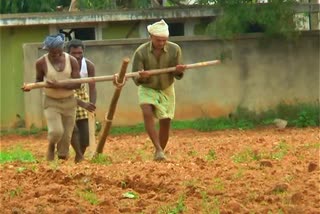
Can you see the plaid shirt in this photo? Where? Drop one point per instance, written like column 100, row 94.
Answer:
column 81, row 94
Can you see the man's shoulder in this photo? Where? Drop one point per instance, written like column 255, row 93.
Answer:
column 89, row 62
column 143, row 46
column 42, row 59
column 172, row 44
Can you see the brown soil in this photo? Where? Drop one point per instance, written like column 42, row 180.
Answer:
column 278, row 173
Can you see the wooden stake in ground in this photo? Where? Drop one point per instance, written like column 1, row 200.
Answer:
column 112, row 108
column 35, row 85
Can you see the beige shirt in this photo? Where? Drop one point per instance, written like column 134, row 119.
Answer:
column 53, row 74
column 144, row 59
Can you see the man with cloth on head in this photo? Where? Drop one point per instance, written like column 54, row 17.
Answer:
column 156, row 93
column 59, row 102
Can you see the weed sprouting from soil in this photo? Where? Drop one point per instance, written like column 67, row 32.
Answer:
column 209, row 205
column 15, row 192
column 89, row 196
column 281, row 150
column 245, row 156
column 211, row 156
column 177, row 208
column 102, row 159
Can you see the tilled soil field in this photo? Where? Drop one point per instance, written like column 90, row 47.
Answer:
column 234, row 171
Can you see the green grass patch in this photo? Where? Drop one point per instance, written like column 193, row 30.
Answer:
column 15, row 192
column 16, row 154
column 209, row 205
column 136, row 129
column 297, row 115
column 245, row 156
column 89, row 196
column 176, row 208
column 281, row 150
column 23, row 131
column 102, row 159
column 312, row 145
column 211, row 156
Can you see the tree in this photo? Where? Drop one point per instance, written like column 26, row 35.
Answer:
column 275, row 18
column 30, row 6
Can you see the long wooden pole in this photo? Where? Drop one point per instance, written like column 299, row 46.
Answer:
column 129, row 75
column 112, row 107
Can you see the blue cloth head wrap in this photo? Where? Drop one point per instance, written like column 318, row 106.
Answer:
column 54, row 41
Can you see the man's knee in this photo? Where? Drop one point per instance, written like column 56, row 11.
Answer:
column 147, row 110
column 55, row 136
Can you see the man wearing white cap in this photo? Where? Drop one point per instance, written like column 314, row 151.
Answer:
column 156, row 93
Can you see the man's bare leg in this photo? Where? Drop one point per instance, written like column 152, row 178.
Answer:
column 164, row 132
column 149, row 124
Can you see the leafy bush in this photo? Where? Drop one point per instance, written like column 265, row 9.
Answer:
column 241, row 16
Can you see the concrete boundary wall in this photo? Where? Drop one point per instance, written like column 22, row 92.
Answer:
column 261, row 74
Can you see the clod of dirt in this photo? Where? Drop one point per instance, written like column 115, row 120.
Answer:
column 282, row 187
column 16, row 210
column 297, row 198
column 312, row 166
column 266, row 163
column 236, row 207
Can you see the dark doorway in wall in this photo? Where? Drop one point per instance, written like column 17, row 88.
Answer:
column 176, row 29
column 79, row 33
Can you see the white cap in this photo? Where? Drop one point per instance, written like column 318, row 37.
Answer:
column 159, row 29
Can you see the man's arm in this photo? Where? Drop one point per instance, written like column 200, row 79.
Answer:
column 40, row 73
column 178, row 74
column 137, row 65
column 86, row 105
column 92, row 85
column 75, row 73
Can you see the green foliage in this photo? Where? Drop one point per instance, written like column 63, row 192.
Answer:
column 299, row 115
column 312, row 145
column 241, row 16
column 131, row 195
column 89, row 196
column 28, row 6
column 211, row 155
column 192, row 153
column 101, row 159
column 112, row 4
column 96, row 4
column 15, row 192
column 23, row 131
column 245, row 156
column 305, row 119
column 16, row 154
column 281, row 150
column 139, row 128
column 209, row 206
column 179, row 207
column 218, row 184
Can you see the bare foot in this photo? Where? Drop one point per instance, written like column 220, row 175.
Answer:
column 159, row 156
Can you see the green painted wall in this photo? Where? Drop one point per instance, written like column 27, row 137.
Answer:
column 120, row 30
column 11, row 73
